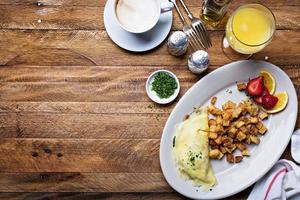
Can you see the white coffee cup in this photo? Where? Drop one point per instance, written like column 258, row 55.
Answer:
column 139, row 16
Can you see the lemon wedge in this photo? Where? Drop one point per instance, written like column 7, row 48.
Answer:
column 269, row 81
column 283, row 99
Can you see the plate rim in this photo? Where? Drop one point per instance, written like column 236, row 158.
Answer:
column 219, row 70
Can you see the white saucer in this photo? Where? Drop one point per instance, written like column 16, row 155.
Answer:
column 136, row 42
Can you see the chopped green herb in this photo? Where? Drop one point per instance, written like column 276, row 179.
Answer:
column 174, row 141
column 164, row 85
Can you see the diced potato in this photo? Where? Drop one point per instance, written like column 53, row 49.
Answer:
column 212, row 135
column 240, row 136
column 226, row 123
column 248, row 140
column 244, row 129
column 213, row 128
column 259, row 125
column 254, row 139
column 253, row 130
column 213, row 100
column 254, row 111
column 230, row 158
column 232, row 132
column 241, row 86
column 253, row 120
column 230, row 148
column 238, row 159
column 220, row 129
column 212, row 122
column 262, row 130
column 263, row 115
column 239, row 124
column 219, row 120
column 240, row 146
column 213, row 110
column 236, row 112
column 212, row 143
column 215, row 153
column 228, row 105
column 223, row 150
column 246, row 152
column 218, row 140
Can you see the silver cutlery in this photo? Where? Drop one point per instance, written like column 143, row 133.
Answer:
column 198, row 26
column 194, row 40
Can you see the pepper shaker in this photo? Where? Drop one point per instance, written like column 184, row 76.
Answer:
column 198, row 62
column 177, row 43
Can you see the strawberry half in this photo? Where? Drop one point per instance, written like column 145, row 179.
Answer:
column 258, row 99
column 255, row 86
column 269, row 101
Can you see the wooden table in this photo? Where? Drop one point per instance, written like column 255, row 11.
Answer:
column 75, row 120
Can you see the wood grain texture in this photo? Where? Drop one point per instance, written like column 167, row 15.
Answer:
column 95, row 48
column 75, row 121
column 91, row 18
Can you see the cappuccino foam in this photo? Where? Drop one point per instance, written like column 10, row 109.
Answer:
column 137, row 15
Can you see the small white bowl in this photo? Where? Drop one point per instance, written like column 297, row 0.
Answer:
column 152, row 94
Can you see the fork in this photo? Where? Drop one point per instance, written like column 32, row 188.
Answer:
column 198, row 26
column 194, row 41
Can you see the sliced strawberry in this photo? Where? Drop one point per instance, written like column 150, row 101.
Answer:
column 258, row 99
column 269, row 101
column 255, row 86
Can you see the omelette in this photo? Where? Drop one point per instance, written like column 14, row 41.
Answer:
column 190, row 146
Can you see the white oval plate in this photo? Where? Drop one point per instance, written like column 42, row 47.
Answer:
column 232, row 178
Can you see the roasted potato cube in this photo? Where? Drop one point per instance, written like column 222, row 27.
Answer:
column 238, row 159
column 241, row 86
column 223, row 150
column 220, row 129
column 213, row 128
column 213, row 110
column 246, row 152
column 253, row 130
column 212, row 143
column 228, row 105
column 240, row 136
column 215, row 154
column 254, row 139
column 263, row 115
column 213, row 100
column 244, row 129
column 212, row 122
column 248, row 140
column 254, row 111
column 240, row 146
column 236, row 112
column 232, row 132
column 262, row 130
column 259, row 125
column 219, row 120
column 218, row 140
column 253, row 120
column 230, row 148
column 239, row 124
column 227, row 115
column 230, row 158
column 212, row 135
column 226, row 123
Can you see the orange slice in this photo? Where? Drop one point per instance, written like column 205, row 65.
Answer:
column 269, row 81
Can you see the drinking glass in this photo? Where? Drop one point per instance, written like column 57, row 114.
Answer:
column 249, row 30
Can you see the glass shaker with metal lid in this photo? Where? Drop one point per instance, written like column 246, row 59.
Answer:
column 214, row 10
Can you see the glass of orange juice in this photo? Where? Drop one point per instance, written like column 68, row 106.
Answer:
column 249, row 29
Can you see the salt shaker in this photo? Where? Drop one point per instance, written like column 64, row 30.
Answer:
column 177, row 43
column 198, row 62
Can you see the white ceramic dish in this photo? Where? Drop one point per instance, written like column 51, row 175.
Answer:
column 152, row 94
column 136, row 42
column 232, row 178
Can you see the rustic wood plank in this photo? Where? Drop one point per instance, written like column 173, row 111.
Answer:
column 91, row 18
column 83, row 182
column 101, row 3
column 78, row 84
column 95, row 48
column 104, row 126
column 91, row 196
column 85, row 155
